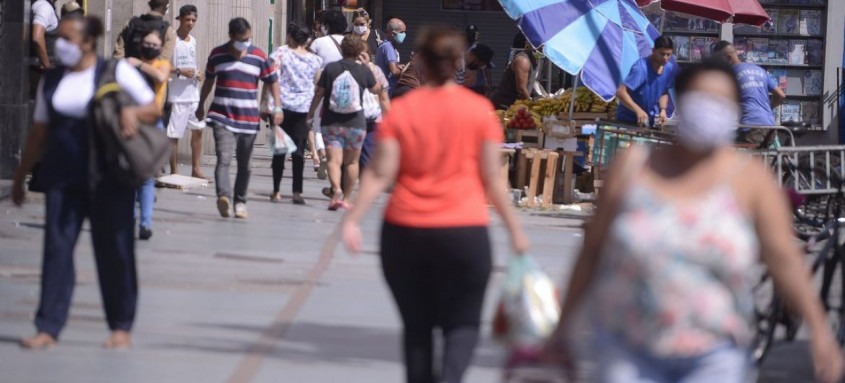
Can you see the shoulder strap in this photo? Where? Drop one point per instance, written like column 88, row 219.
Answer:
column 336, row 44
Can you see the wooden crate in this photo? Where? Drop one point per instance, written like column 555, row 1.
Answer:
column 530, row 138
column 537, row 158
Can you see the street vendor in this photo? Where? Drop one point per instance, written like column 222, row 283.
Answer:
column 519, row 76
column 756, row 84
column 644, row 95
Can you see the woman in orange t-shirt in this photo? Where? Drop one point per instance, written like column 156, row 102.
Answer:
column 440, row 144
column 157, row 73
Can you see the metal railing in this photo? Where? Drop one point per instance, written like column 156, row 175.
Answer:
column 806, row 169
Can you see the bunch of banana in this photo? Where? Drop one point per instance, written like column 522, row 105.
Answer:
column 585, row 102
column 547, row 106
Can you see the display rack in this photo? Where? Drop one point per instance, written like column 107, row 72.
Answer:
column 791, row 47
column 693, row 36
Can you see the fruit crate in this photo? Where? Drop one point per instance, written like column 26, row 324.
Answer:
column 530, row 138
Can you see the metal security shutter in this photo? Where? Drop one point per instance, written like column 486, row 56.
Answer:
column 497, row 29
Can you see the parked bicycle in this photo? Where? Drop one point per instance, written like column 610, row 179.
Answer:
column 826, row 248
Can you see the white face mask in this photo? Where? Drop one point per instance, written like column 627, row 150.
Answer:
column 707, row 121
column 360, row 29
column 241, row 46
column 67, row 52
column 324, row 30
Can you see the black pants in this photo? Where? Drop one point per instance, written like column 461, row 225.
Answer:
column 295, row 126
column 369, row 148
column 110, row 211
column 438, row 278
column 400, row 91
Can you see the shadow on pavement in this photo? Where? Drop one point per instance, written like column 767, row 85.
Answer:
column 787, row 362
column 319, row 343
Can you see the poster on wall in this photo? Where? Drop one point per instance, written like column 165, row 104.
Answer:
column 472, row 5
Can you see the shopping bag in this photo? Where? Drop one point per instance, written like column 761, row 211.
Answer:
column 280, row 142
column 527, row 315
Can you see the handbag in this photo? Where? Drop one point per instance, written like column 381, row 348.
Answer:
column 130, row 161
column 372, row 109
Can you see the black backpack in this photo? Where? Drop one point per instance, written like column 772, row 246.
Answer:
column 128, row 161
column 132, row 34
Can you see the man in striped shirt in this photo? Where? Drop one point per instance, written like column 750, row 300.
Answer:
column 236, row 68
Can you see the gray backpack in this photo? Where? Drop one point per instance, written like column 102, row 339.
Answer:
column 130, row 161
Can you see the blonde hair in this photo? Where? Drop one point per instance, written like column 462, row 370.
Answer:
column 361, row 12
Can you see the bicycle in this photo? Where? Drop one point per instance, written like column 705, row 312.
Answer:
column 830, row 261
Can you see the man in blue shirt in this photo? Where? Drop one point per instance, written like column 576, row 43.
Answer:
column 387, row 57
column 644, row 95
column 756, row 84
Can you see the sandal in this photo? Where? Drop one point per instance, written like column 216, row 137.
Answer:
column 276, row 197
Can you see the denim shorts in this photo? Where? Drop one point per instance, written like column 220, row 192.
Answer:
column 620, row 363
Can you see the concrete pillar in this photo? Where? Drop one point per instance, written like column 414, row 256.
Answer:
column 14, row 82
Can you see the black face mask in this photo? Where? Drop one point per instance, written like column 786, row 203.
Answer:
column 148, row 53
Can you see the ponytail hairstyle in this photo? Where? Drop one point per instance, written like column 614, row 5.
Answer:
column 439, row 49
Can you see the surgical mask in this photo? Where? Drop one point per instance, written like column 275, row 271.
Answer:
column 149, row 53
column 67, row 52
column 400, row 37
column 241, row 46
column 707, row 121
column 360, row 29
column 324, row 30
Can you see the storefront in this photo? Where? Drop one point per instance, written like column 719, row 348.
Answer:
column 801, row 47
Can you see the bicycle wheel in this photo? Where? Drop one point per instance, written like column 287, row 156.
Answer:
column 766, row 325
column 828, row 275
column 767, row 316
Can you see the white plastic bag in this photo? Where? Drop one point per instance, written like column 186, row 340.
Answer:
column 280, row 142
column 529, row 308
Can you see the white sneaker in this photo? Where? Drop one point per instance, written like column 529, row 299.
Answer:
column 223, row 206
column 240, row 210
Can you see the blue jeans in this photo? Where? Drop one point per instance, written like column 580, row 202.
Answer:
column 146, row 200
column 146, row 196
column 621, row 363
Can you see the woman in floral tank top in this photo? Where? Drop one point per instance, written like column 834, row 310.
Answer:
column 666, row 262
column 297, row 70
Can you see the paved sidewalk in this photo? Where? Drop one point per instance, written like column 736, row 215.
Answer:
column 225, row 300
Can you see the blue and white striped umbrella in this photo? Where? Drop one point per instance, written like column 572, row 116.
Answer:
column 600, row 39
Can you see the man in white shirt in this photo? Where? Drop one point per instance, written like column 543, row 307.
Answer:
column 184, row 92
column 45, row 24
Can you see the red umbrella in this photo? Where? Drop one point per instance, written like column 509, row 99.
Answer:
column 742, row 11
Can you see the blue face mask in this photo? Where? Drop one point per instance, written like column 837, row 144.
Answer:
column 400, row 37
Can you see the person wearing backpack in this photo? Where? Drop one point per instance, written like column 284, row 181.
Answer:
column 157, row 73
column 62, row 136
column 234, row 69
column 332, row 26
column 341, row 88
column 129, row 39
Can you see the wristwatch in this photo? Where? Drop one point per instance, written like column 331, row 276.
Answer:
column 178, row 71
column 277, row 110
